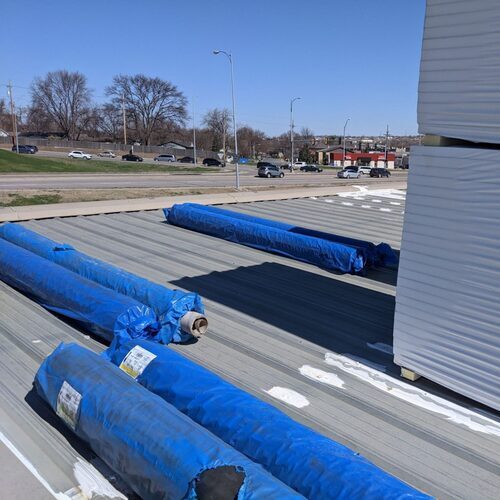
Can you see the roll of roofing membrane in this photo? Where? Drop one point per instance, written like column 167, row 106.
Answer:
column 169, row 305
column 157, row 450
column 313, row 465
column 100, row 310
column 378, row 255
column 322, row 253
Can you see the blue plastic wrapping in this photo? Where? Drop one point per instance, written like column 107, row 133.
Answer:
column 313, row 465
column 169, row 305
column 377, row 255
column 327, row 254
column 100, row 310
column 157, row 450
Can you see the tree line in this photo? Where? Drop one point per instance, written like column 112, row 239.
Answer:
column 155, row 111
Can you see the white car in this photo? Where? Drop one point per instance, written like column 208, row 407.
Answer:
column 364, row 169
column 348, row 173
column 80, row 154
column 299, row 164
column 107, row 154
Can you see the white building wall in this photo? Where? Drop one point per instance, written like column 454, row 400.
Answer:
column 447, row 325
column 459, row 89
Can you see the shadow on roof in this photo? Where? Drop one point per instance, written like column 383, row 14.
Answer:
column 328, row 312
column 333, row 314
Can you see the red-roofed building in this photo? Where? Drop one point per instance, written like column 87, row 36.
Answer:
column 334, row 155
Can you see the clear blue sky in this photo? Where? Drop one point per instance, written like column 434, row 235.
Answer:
column 356, row 59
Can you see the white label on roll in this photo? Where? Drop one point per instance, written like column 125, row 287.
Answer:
column 136, row 361
column 68, row 402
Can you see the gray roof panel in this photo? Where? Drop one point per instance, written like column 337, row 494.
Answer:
column 269, row 316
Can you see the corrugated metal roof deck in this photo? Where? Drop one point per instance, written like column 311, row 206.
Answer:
column 269, row 316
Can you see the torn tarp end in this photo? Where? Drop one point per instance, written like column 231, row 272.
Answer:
column 100, row 310
column 157, row 450
column 313, row 465
column 169, row 305
column 326, row 254
column 373, row 255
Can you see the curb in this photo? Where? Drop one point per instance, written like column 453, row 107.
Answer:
column 12, row 214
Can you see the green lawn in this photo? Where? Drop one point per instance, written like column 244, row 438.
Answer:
column 11, row 163
column 18, row 200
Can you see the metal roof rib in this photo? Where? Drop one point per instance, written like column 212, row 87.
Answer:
column 269, row 316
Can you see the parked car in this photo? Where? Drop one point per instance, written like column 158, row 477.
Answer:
column 34, row 148
column 311, row 168
column 80, row 155
column 23, row 148
column 131, row 157
column 299, row 164
column 164, row 158
column 212, row 162
column 363, row 169
column 270, row 171
column 107, row 154
column 348, row 173
column 379, row 172
column 186, row 159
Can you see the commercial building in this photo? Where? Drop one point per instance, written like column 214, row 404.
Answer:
column 335, row 155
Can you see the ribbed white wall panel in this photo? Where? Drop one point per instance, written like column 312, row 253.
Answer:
column 459, row 90
column 447, row 322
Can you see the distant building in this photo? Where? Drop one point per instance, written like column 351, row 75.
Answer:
column 334, row 156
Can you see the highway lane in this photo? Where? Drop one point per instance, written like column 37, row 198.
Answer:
column 248, row 178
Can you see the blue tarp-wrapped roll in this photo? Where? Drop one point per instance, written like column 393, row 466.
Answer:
column 377, row 255
column 169, row 305
column 100, row 310
column 157, row 450
column 322, row 253
column 313, row 465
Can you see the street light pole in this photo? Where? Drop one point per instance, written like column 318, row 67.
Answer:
column 13, row 115
column 230, row 57
column 124, row 121
column 194, row 137
column 291, row 130
column 386, row 141
column 343, row 156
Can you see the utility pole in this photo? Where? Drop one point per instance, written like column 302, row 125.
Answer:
column 291, row 131
column 224, row 131
column 13, row 115
column 386, row 141
column 194, row 136
column 343, row 155
column 124, row 121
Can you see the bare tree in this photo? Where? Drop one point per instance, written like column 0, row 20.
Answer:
column 151, row 103
column 218, row 122
column 64, row 97
column 251, row 142
column 306, row 133
column 110, row 122
column 4, row 116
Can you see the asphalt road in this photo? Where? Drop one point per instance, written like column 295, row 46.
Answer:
column 248, row 178
column 223, row 179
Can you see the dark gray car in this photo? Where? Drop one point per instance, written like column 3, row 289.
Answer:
column 270, row 171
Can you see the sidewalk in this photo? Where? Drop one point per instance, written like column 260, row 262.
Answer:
column 133, row 205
